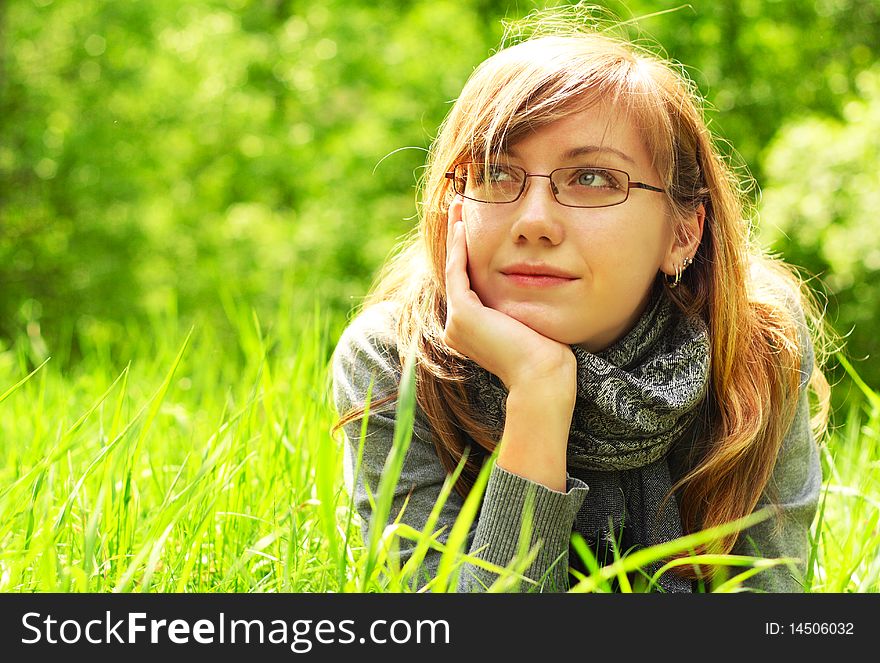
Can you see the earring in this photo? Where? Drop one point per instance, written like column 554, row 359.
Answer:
column 679, row 269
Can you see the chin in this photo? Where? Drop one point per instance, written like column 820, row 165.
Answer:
column 538, row 318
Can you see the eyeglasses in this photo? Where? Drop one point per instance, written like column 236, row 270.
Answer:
column 571, row 187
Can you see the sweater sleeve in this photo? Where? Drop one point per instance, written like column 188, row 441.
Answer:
column 794, row 488
column 367, row 351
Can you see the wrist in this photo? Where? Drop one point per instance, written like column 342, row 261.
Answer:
column 535, row 437
column 544, row 393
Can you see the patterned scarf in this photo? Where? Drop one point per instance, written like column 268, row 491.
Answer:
column 635, row 399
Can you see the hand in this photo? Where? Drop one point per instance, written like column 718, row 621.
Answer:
column 504, row 346
column 539, row 373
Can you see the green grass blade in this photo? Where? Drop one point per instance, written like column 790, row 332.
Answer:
column 6, row 394
column 404, row 420
column 461, row 529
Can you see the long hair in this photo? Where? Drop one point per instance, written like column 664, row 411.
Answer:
column 750, row 301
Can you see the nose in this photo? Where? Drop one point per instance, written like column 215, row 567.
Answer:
column 537, row 215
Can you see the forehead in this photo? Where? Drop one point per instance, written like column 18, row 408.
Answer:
column 600, row 131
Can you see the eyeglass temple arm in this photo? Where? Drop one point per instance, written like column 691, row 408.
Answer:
column 642, row 185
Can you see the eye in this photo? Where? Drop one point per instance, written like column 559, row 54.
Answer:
column 500, row 174
column 595, row 178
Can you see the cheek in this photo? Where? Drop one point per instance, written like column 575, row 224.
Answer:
column 622, row 266
column 632, row 248
column 483, row 239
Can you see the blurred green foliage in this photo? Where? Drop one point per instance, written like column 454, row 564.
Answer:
column 820, row 208
column 162, row 158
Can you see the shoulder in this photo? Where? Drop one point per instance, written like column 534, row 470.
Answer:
column 374, row 325
column 367, row 353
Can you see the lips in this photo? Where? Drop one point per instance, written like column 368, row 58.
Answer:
column 537, row 276
column 537, row 270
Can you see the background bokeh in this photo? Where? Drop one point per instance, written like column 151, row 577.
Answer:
column 170, row 158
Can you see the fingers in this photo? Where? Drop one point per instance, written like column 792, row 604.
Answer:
column 457, row 281
column 462, row 304
column 463, row 309
column 453, row 215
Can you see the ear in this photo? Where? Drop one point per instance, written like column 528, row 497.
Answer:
column 685, row 244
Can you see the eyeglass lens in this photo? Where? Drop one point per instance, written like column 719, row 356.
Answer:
column 574, row 187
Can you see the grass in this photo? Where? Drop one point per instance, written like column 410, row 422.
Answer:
column 195, row 460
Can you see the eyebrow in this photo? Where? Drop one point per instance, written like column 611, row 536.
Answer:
column 582, row 150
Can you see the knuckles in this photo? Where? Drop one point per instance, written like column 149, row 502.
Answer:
column 454, row 334
column 451, row 333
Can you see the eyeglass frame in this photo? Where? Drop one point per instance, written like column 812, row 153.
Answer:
column 450, row 175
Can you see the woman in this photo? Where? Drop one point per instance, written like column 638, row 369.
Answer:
column 582, row 294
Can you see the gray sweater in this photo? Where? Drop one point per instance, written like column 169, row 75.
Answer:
column 367, row 350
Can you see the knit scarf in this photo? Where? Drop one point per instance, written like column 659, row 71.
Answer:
column 635, row 399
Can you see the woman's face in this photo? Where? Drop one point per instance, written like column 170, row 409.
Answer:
column 607, row 257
